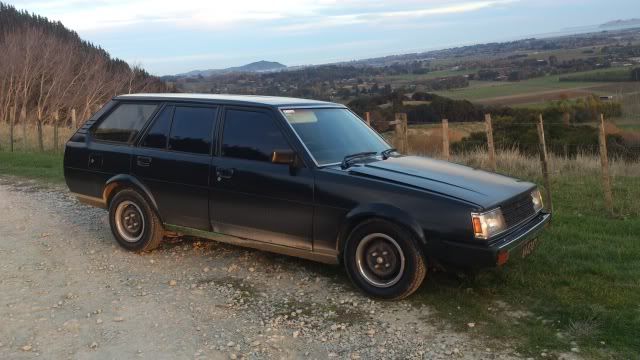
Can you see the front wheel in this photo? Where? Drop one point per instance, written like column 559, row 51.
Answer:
column 133, row 222
column 384, row 260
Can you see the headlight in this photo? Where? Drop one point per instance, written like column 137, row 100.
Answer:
column 536, row 197
column 488, row 224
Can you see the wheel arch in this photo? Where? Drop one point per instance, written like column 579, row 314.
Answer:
column 117, row 182
column 377, row 211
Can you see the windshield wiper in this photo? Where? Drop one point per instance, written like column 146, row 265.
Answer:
column 386, row 153
column 346, row 162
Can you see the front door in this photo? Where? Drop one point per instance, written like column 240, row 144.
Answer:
column 173, row 160
column 250, row 196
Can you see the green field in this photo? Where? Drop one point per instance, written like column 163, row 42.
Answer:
column 533, row 91
column 567, row 54
column 484, row 90
column 580, row 289
column 604, row 75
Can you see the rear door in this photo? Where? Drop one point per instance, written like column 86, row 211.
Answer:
column 104, row 149
column 252, row 197
column 173, row 160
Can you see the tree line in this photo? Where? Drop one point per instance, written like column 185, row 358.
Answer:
column 47, row 70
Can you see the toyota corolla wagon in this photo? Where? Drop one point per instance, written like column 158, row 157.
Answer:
column 297, row 177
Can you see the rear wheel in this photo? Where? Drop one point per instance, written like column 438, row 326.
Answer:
column 384, row 260
column 133, row 222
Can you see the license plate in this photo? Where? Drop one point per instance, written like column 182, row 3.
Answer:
column 529, row 247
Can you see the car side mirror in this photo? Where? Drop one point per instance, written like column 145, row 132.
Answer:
column 288, row 157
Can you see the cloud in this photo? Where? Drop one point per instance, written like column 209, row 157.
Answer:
column 92, row 15
column 379, row 17
column 282, row 15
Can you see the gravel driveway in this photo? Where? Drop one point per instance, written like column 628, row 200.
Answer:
column 68, row 291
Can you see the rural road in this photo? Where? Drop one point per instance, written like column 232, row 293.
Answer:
column 67, row 291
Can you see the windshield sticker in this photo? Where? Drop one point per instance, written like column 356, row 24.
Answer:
column 300, row 116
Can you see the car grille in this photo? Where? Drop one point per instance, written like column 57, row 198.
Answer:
column 517, row 210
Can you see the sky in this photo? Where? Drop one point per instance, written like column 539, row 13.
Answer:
column 170, row 37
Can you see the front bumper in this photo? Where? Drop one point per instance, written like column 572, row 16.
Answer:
column 477, row 256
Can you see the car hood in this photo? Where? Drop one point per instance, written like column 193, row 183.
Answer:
column 480, row 187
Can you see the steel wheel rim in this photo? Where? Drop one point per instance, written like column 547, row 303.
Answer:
column 369, row 253
column 129, row 221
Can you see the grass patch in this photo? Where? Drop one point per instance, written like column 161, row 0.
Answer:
column 41, row 166
column 582, row 284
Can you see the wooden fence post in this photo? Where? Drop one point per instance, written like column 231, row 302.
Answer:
column 545, row 165
column 56, row 119
column 40, row 135
column 604, row 160
column 490, row 144
column 401, row 133
column 12, row 120
column 367, row 118
column 445, row 139
column 74, row 120
column 405, row 132
column 23, row 119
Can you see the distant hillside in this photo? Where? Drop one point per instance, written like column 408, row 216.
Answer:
column 254, row 67
column 621, row 23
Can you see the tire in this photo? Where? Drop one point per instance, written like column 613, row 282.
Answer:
column 384, row 260
column 133, row 222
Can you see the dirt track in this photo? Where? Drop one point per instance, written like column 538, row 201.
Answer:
column 67, row 291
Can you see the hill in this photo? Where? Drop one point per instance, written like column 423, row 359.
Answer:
column 254, row 67
column 621, row 23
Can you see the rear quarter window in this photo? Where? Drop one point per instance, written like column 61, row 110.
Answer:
column 124, row 123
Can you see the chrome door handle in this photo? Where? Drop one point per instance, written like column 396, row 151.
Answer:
column 224, row 173
column 143, row 161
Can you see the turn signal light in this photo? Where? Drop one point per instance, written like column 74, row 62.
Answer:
column 488, row 224
column 477, row 226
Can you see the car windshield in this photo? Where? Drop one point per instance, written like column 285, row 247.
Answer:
column 333, row 133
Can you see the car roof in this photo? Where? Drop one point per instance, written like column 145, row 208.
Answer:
column 272, row 101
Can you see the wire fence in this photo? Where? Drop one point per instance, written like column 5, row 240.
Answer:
column 430, row 140
column 499, row 147
column 28, row 138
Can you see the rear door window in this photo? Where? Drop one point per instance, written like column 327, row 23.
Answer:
column 124, row 123
column 158, row 135
column 191, row 129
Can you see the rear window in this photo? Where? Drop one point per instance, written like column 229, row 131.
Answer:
column 124, row 123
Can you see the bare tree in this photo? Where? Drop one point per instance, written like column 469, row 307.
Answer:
column 43, row 76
